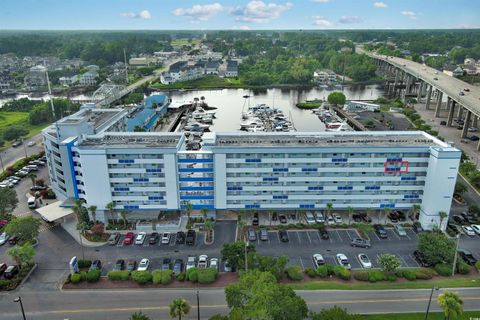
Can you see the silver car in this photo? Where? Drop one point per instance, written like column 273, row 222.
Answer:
column 400, row 230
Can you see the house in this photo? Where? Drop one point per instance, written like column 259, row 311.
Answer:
column 88, row 78
column 36, row 78
column 143, row 61
column 68, row 81
column 211, row 67
column 452, row 70
column 182, row 71
column 325, row 77
column 232, row 69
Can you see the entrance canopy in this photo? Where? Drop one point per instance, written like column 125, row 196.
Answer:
column 54, row 211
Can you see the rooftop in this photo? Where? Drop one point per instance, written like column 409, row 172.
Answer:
column 95, row 117
column 129, row 140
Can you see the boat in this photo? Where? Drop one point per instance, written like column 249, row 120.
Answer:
column 337, row 126
column 196, row 126
column 250, row 123
column 208, row 119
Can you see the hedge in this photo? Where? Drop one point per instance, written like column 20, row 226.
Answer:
column 75, row 278
column 310, row 272
column 443, row 269
column 84, row 263
column 462, row 267
column 409, row 275
column 342, row 272
column 376, row 275
column 162, row 276
column 361, row 275
column 322, row 271
column 206, row 276
column 181, row 276
column 295, row 273
column 141, row 277
column 192, row 275
column 118, row 275
column 93, row 275
column 477, row 265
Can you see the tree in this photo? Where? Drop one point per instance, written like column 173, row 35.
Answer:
column 241, row 227
column 451, row 304
column 329, row 209
column 336, row 98
column 25, row 228
column 139, row 316
column 258, row 295
column 436, row 247
column 460, row 188
column 443, row 215
column 389, row 262
column 93, row 212
column 204, row 213
column 78, row 208
column 234, row 252
column 22, row 255
column 350, row 214
column 110, row 207
column 188, row 208
column 334, row 313
column 32, row 177
column 8, row 201
column 123, row 214
column 386, row 212
column 415, row 210
column 178, row 308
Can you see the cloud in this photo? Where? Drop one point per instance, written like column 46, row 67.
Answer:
column 410, row 14
column 241, row 28
column 260, row 12
column 350, row 19
column 380, row 5
column 199, row 12
column 145, row 14
column 321, row 1
column 320, row 21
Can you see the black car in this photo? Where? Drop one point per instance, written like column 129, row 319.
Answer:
column 11, row 272
column 190, row 239
column 361, row 243
column 38, row 188
column 255, row 219
column 443, row 123
column 119, row 265
column 178, row 266
column 380, row 231
column 274, row 216
column 13, row 240
column 17, row 143
column 401, row 216
column 458, row 219
column 420, row 259
column 357, row 217
column 393, row 217
column 465, row 217
column 153, row 238
column 96, row 265
column 283, row 235
column 283, row 219
column 467, row 256
column 180, row 238
column 474, row 138
column 166, row 264
column 3, row 267
column 417, row 227
column 323, row 233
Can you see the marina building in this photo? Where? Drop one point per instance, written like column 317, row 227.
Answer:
column 91, row 156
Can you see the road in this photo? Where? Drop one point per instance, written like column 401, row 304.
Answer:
column 109, row 304
column 450, row 86
column 10, row 155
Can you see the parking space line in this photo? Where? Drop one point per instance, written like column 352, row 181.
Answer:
column 318, row 236
column 348, row 234
column 308, row 236
column 376, row 235
column 341, row 240
column 278, row 237
column 301, row 263
column 356, row 257
column 298, row 236
column 408, row 236
column 145, row 243
column 414, row 260
column 403, row 260
column 396, row 235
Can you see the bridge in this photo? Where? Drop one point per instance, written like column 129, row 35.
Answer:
column 408, row 78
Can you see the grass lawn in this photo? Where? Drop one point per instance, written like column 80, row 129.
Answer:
column 202, row 83
column 309, row 105
column 184, row 42
column 457, row 282
column 20, row 119
column 468, row 315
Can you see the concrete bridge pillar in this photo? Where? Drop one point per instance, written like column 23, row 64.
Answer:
column 429, row 95
column 451, row 112
column 460, row 113
column 439, row 104
column 474, row 123
column 466, row 124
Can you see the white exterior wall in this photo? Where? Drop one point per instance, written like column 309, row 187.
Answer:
column 171, row 181
column 220, row 170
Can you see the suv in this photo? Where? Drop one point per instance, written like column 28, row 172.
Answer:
column 309, row 217
column 252, row 235
column 255, row 220
column 380, row 231
column 180, row 239
column 467, row 256
column 263, row 234
column 417, row 227
column 113, row 239
column 191, row 263
column 323, row 233
column 361, row 243
column 153, row 239
column 96, row 265
column 202, row 261
column 11, row 272
column 119, row 264
column 319, row 218
column 190, row 239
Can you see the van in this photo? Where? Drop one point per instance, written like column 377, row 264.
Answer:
column 32, row 202
column 309, row 217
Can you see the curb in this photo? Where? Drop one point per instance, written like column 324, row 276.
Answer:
column 25, row 278
column 213, row 238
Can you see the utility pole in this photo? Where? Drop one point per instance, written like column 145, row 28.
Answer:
column 430, row 301
column 246, row 258
column 50, row 96
column 126, row 66
column 198, row 306
column 19, row 300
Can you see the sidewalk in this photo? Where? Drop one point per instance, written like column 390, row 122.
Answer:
column 70, row 225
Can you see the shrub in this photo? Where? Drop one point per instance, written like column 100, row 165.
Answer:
column 93, row 275
column 75, row 278
column 141, row 277
column 409, row 274
column 443, row 269
column 390, row 276
column 84, row 263
column 83, row 275
column 192, row 275
column 477, row 265
column 462, row 267
column 342, row 272
column 360, row 275
column 181, row 276
column 330, row 269
column 310, row 272
column 322, row 271
column 376, row 275
column 424, row 273
column 208, row 275
column 117, row 275
column 162, row 276
column 295, row 273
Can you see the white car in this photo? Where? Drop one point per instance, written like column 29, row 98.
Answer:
column 476, row 228
column 202, row 261
column 143, row 265
column 343, row 261
column 3, row 238
column 468, row 230
column 309, row 217
column 191, row 263
column 400, row 230
column 319, row 217
column 318, row 260
column 330, row 220
column 140, row 239
column 166, row 238
column 338, row 219
column 364, row 261
column 31, row 143
column 214, row 263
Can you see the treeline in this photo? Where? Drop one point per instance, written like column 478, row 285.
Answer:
column 40, row 111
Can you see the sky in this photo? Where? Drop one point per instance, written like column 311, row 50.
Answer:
column 238, row 15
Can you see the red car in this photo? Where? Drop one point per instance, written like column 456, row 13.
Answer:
column 129, row 238
column 3, row 223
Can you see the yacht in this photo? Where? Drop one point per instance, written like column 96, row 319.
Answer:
column 338, row 126
column 196, row 126
column 250, row 123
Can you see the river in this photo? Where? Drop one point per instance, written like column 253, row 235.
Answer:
column 230, row 103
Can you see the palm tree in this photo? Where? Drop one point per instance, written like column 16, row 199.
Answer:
column 415, row 210
column 188, row 208
column 208, row 226
column 329, row 208
column 204, row 213
column 369, row 212
column 443, row 215
column 179, row 307
column 350, row 213
column 241, row 227
column 93, row 212
column 33, row 177
column 386, row 212
column 139, row 316
column 451, row 304
column 78, row 208
column 110, row 207
column 123, row 214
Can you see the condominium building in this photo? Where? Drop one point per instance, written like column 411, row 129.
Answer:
column 290, row 171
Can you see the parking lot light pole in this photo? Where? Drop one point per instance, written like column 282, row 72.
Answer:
column 19, row 300
column 430, row 301
column 198, row 306
column 246, row 259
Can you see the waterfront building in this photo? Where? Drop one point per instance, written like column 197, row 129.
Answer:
column 232, row 69
column 91, row 156
column 360, row 106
